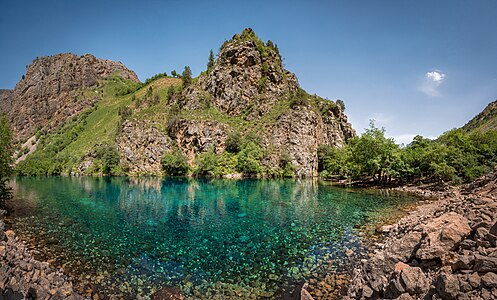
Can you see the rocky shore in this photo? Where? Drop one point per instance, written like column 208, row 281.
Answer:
column 23, row 277
column 445, row 249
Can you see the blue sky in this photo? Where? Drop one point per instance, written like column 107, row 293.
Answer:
column 417, row 67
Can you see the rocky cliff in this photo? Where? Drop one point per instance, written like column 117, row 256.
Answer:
column 5, row 101
column 246, row 92
column 248, row 83
column 49, row 92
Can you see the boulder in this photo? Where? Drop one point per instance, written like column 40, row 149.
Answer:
column 447, row 286
column 489, row 280
column 485, row 263
column 442, row 235
column 414, row 280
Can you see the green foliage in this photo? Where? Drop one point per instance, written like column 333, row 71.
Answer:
column 455, row 156
column 233, row 142
column 6, row 151
column 174, row 73
column 155, row 77
column 106, row 160
column 50, row 159
column 215, row 165
column 186, row 76
column 174, row 163
column 249, row 158
column 261, row 84
column 341, row 104
column 286, row 165
column 210, row 63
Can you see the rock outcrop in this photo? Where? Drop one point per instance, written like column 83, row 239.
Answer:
column 141, row 145
column 248, row 81
column 444, row 250
column 48, row 94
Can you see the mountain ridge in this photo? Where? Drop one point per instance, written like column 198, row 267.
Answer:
column 245, row 92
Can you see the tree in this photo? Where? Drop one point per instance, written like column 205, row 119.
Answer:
column 6, row 152
column 174, row 74
column 210, row 63
column 187, row 76
column 341, row 104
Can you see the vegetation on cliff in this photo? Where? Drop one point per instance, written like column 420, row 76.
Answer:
column 5, row 155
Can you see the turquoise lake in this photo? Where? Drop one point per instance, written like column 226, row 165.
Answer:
column 207, row 237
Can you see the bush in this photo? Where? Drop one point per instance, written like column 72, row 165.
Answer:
column 174, row 163
column 249, row 159
column 233, row 142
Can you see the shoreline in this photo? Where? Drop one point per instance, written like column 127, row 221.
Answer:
column 444, row 249
column 24, row 277
column 437, row 249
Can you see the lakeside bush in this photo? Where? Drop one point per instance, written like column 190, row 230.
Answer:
column 174, row 163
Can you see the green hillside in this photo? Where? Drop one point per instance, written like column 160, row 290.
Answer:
column 62, row 150
column 484, row 121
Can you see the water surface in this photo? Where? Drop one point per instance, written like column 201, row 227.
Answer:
column 235, row 238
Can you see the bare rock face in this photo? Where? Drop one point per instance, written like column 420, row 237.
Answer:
column 5, row 101
column 198, row 136
column 141, row 146
column 47, row 95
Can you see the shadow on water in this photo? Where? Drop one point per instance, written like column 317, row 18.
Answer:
column 128, row 236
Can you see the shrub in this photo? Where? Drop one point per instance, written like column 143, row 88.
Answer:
column 249, row 159
column 174, row 163
column 233, row 142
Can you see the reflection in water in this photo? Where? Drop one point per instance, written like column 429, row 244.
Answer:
column 134, row 235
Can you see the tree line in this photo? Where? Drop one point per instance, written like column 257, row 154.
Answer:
column 456, row 156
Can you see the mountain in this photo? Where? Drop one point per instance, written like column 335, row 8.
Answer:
column 484, row 121
column 75, row 115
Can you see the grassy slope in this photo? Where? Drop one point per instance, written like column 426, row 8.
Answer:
column 484, row 121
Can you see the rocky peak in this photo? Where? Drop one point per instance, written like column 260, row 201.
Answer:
column 46, row 94
column 247, row 78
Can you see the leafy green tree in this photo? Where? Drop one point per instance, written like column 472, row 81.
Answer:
column 6, row 151
column 174, row 74
column 373, row 153
column 249, row 158
column 341, row 104
column 108, row 158
column 174, row 163
column 186, row 76
column 210, row 63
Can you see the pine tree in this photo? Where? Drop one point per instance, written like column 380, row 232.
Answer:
column 187, row 76
column 210, row 64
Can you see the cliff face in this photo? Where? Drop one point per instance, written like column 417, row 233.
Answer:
column 48, row 94
column 5, row 101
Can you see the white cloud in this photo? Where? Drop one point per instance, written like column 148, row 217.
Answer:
column 381, row 119
column 431, row 81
